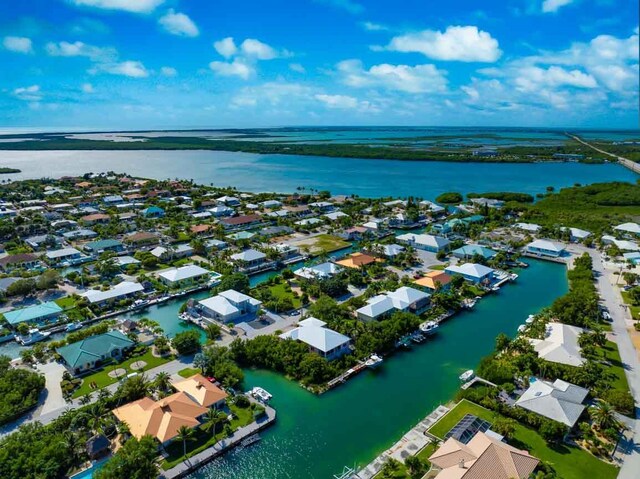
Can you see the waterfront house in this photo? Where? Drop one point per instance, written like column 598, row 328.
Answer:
column 358, row 260
column 469, row 251
column 416, row 301
column 473, row 272
column 560, row 344
column 229, row 306
column 433, row 207
column 19, row 261
column 161, row 419
column 62, row 255
column 434, row 281
column 323, row 206
column 36, row 315
column 321, row 340
column 92, row 352
column 576, row 234
column 319, row 271
column 528, row 227
column 100, row 246
column 202, row 391
column 185, row 276
column 560, row 401
column 172, row 252
column 241, row 222
column 390, row 250
column 632, row 228
column 249, row 259
column 153, row 212
column 402, row 299
column 142, row 238
column 426, row 242
column 123, row 290
column 483, row 457
column 378, row 307
column 543, row 247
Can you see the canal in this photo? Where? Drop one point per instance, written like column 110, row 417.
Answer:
column 315, row 436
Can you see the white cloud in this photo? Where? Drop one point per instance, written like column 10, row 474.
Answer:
column 18, row 44
column 179, row 24
column 253, row 48
column 532, row 78
column 29, row 93
column 348, row 5
column 374, row 27
column 133, row 6
column 551, row 6
column 337, row 101
column 405, row 78
column 456, row 43
column 168, row 71
column 87, row 88
column 226, row 47
column 297, row 67
column 80, row 49
column 236, row 68
column 132, row 69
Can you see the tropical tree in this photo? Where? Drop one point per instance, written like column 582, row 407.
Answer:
column 603, row 415
column 185, row 433
column 212, row 419
column 162, row 381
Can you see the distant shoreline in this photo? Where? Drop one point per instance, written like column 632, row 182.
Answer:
column 6, row 171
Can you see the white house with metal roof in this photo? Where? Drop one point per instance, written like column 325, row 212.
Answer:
column 633, row 228
column 185, row 275
column 318, row 271
column 122, row 290
column 321, row 340
column 228, row 306
column 474, row 272
column 425, row 242
column 402, row 299
column 560, row 344
column 528, row 227
column 560, row 401
column 542, row 247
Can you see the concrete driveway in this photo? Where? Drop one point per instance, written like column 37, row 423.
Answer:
column 53, row 375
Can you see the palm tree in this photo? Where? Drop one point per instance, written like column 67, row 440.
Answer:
column 603, row 415
column 72, row 443
column 162, row 381
column 185, row 433
column 95, row 417
column 212, row 419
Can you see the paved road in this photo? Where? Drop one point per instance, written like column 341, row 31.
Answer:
column 629, row 355
column 632, row 165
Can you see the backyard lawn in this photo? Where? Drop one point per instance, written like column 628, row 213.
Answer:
column 204, row 439
column 279, row 292
column 569, row 462
column 102, row 378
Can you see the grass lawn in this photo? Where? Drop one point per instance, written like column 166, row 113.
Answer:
column 102, row 378
column 188, row 372
column 328, row 243
column 569, row 462
column 612, row 355
column 66, row 303
column 279, row 291
column 204, row 439
column 635, row 310
column 438, row 267
column 425, row 452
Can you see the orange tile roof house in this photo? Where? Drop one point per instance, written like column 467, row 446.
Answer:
column 482, row 458
column 357, row 260
column 202, row 391
column 95, row 218
column 160, row 419
column 432, row 279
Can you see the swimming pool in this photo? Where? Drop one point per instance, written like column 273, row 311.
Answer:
column 88, row 473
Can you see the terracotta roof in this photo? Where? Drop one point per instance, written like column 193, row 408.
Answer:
column 18, row 259
column 200, row 228
column 241, row 220
column 482, row 458
column 160, row 419
column 201, row 390
column 357, row 260
column 84, row 184
column 95, row 217
column 430, row 279
column 141, row 236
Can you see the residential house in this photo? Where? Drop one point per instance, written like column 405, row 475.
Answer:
column 19, row 261
column 62, row 255
column 241, row 222
column 623, row 245
column 153, row 212
column 543, row 247
column 37, row 315
column 202, row 391
column 228, row 306
column 473, row 272
column 100, row 246
column 42, row 241
column 166, row 253
column 426, row 242
column 319, row 271
column 528, row 227
column 469, row 251
column 358, row 260
column 123, row 290
column 336, row 215
column 560, row 401
column 220, row 211
column 632, row 228
column 434, row 281
column 79, row 234
column 321, row 340
column 142, row 238
column 184, row 276
column 484, row 457
column 560, row 344
column 93, row 351
column 576, row 234
column 402, row 299
column 95, row 218
column 249, row 259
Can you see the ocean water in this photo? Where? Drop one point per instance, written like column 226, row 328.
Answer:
column 285, row 173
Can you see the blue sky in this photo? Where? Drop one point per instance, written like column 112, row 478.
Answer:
column 123, row 64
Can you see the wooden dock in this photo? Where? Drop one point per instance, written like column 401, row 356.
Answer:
column 358, row 368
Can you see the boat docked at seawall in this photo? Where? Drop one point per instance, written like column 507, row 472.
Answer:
column 260, row 394
column 374, row 361
column 467, row 376
column 34, row 336
column 73, row 327
column 429, row 328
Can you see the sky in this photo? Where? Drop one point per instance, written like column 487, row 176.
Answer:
column 147, row 64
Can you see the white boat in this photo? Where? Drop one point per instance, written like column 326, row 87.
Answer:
column 250, row 440
column 33, row 337
column 73, row 327
column 467, row 375
column 184, row 316
column 530, row 319
column 513, row 276
column 429, row 327
column 522, row 328
column 260, row 394
column 373, row 362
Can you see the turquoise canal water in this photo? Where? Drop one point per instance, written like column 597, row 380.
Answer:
column 285, row 173
column 315, row 436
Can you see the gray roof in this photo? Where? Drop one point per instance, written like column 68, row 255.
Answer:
column 560, row 401
column 318, row 337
